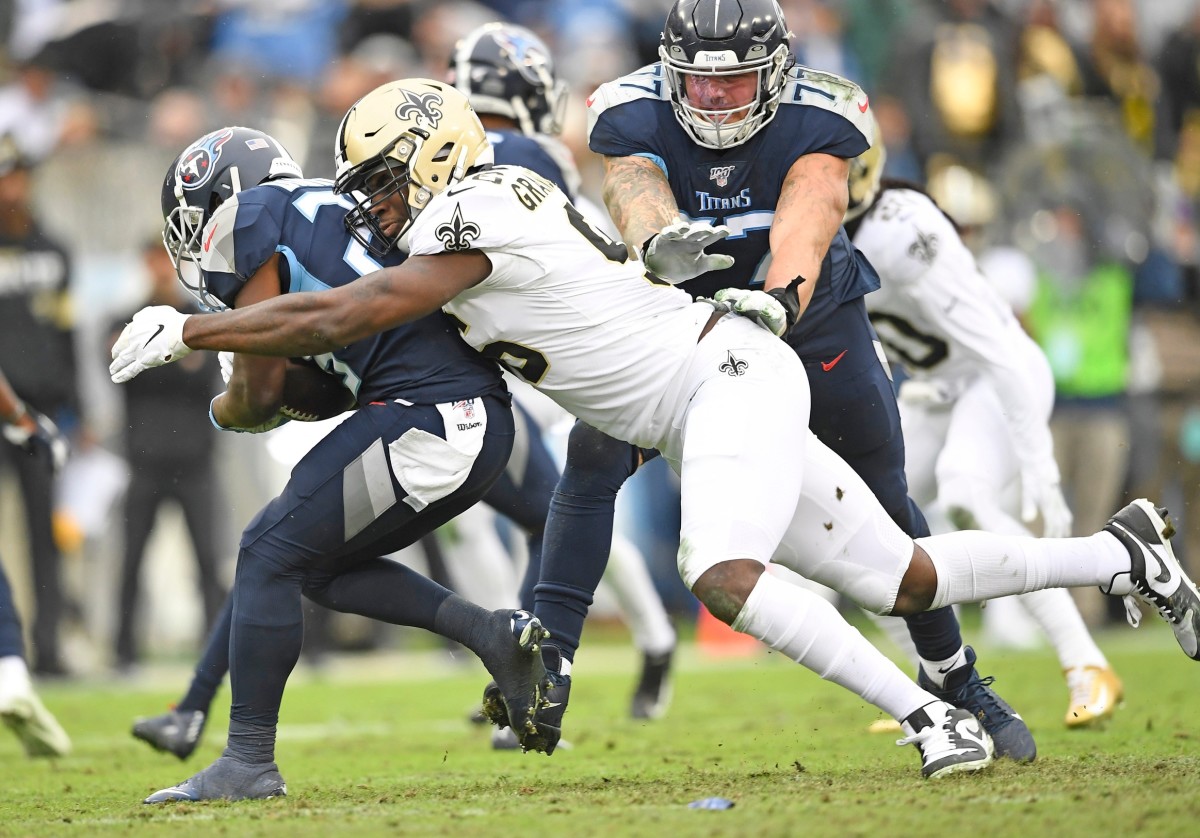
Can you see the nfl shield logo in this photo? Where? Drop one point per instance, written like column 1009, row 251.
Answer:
column 720, row 174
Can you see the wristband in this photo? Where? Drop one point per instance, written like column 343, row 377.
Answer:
column 789, row 298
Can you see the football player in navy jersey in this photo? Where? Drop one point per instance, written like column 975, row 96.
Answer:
column 727, row 165
column 433, row 431
column 507, row 74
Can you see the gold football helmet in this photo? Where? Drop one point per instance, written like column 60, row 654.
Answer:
column 866, row 171
column 415, row 137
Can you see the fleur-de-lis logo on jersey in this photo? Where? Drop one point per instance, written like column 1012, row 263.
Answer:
column 733, row 366
column 721, row 174
column 925, row 248
column 198, row 163
column 457, row 234
column 420, row 108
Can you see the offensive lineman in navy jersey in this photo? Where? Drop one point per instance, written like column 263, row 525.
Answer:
column 432, row 432
column 727, row 167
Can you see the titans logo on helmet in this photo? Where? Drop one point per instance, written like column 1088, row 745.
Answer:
column 420, row 107
column 199, row 162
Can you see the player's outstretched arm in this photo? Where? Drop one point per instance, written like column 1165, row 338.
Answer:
column 305, row 323
column 811, row 205
column 639, row 199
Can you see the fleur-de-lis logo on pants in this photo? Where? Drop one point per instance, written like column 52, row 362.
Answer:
column 733, row 366
column 457, row 234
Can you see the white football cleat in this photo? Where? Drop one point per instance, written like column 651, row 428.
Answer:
column 950, row 740
column 1155, row 577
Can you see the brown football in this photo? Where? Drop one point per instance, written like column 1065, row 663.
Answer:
column 311, row 394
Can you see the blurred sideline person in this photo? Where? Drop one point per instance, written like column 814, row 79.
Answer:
column 726, row 130
column 507, row 74
column 170, row 446
column 37, row 342
column 431, row 435
column 538, row 289
column 976, row 407
column 20, row 708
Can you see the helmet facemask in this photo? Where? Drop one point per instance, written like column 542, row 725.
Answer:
column 376, row 180
column 181, row 235
column 413, row 138
column 714, row 128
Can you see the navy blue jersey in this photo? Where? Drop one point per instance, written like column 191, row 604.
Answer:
column 512, row 148
column 739, row 186
column 425, row 361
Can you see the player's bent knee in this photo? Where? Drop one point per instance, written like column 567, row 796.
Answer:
column 918, row 587
column 725, row 587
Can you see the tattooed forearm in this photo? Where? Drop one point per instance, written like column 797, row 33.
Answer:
column 638, row 198
column 811, row 204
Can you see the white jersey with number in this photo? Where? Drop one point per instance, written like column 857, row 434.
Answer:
column 565, row 308
column 939, row 317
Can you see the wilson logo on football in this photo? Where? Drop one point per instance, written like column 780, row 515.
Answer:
column 457, row 234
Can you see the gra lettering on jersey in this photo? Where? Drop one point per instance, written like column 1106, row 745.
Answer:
column 531, row 191
column 713, row 203
column 721, row 174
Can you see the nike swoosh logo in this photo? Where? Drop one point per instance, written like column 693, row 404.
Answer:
column 459, row 189
column 969, row 730
column 863, row 107
column 827, row 366
column 157, row 332
column 945, row 671
column 208, row 241
column 1164, row 575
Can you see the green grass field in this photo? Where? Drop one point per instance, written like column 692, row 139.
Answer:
column 380, row 746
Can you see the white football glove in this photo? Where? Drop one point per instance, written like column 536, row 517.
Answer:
column 226, row 361
column 676, row 252
column 758, row 306
column 1041, row 492
column 154, row 337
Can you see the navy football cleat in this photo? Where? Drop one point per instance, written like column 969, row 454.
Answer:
column 515, row 662
column 653, row 693
column 175, row 732
column 226, row 779
column 965, row 689
column 1156, row 578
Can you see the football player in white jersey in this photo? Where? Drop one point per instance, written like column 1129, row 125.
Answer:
column 976, row 407
column 508, row 76
column 542, row 292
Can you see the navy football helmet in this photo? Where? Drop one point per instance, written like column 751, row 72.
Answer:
column 725, row 38
column 506, row 70
column 208, row 172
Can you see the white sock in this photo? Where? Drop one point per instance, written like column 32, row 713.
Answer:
column 973, row 566
column 937, row 671
column 810, row 631
column 1055, row 611
column 14, row 676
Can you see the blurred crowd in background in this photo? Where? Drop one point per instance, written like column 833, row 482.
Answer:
column 1062, row 135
